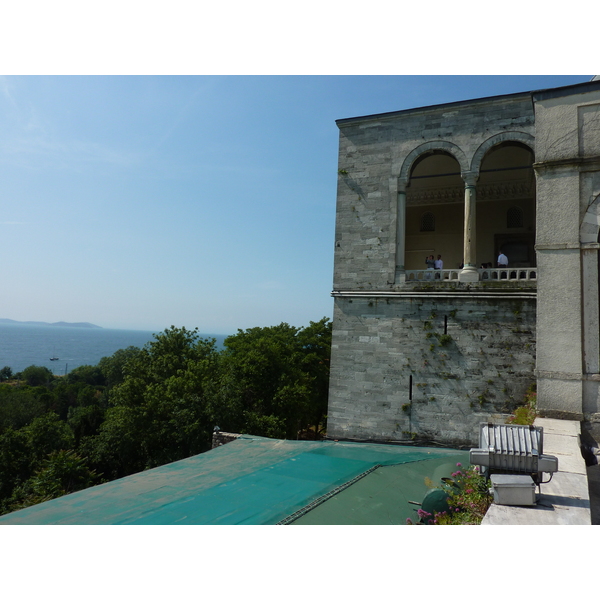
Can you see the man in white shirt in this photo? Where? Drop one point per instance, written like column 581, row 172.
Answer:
column 502, row 260
column 439, row 263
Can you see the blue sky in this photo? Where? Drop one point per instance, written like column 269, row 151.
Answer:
column 140, row 202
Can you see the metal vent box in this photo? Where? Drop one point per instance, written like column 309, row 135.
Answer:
column 517, row 448
column 513, row 490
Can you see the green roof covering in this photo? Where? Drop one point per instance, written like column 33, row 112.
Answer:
column 255, row 480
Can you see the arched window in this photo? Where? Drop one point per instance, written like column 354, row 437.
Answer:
column 514, row 217
column 428, row 222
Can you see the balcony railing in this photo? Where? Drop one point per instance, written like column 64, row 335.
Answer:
column 510, row 273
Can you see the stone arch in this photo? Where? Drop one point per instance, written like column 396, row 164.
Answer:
column 448, row 147
column 508, row 136
column 590, row 226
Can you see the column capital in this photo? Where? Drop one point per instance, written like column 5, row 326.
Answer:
column 470, row 178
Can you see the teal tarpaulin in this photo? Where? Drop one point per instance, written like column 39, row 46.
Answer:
column 255, row 480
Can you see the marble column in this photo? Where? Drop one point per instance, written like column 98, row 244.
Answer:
column 469, row 272
column 401, row 233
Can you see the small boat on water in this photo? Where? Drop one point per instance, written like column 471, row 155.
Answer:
column 54, row 358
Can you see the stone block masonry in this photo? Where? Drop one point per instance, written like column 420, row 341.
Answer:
column 471, row 359
column 517, row 174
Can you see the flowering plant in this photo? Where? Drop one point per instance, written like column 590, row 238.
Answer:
column 468, row 499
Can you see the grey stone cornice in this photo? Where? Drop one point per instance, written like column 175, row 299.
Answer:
column 512, row 294
column 566, row 90
column 560, row 246
column 559, row 375
column 436, row 107
column 568, row 163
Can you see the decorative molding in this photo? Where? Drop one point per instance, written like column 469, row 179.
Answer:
column 442, row 195
column 508, row 190
column 517, row 189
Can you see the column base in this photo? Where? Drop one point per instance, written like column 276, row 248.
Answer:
column 469, row 275
column 400, row 275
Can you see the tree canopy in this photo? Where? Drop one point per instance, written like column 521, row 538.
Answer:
column 144, row 407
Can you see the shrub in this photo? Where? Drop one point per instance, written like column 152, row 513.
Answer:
column 35, row 375
column 468, row 498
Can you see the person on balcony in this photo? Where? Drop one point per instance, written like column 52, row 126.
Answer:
column 502, row 260
column 438, row 265
column 430, row 262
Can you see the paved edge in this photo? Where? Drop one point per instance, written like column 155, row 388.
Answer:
column 565, row 499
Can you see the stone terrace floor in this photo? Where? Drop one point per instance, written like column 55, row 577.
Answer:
column 565, row 500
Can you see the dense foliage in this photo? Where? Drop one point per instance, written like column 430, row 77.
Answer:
column 145, row 407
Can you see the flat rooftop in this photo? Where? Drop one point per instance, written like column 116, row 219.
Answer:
column 261, row 481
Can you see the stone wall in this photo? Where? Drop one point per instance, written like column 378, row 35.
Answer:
column 568, row 226
column 386, row 331
column 375, row 151
column 471, row 358
column 469, row 349
column 222, row 437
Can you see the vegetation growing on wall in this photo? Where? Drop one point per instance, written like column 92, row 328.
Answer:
column 526, row 414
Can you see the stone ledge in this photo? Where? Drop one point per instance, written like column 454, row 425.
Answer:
column 466, row 292
column 564, row 500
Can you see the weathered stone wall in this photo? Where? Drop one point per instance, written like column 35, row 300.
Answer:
column 222, row 437
column 488, row 360
column 484, row 362
column 568, row 223
column 373, row 151
column 479, row 369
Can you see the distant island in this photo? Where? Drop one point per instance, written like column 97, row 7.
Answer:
column 59, row 324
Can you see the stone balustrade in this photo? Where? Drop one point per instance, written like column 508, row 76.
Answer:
column 433, row 275
column 519, row 273
column 510, row 273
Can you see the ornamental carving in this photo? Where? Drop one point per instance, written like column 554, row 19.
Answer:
column 505, row 190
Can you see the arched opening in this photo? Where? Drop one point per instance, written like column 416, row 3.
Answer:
column 434, row 210
column 506, row 205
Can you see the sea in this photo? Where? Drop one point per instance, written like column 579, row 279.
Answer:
column 23, row 345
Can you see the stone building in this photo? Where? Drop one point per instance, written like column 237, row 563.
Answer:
column 429, row 354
